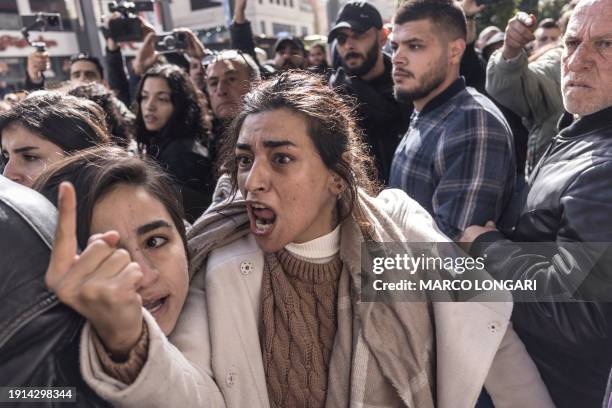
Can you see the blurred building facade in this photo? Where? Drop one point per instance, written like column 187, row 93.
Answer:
column 268, row 17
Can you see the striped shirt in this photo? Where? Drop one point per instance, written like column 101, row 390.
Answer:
column 457, row 159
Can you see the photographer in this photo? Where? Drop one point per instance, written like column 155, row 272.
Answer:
column 147, row 56
column 289, row 50
column 83, row 68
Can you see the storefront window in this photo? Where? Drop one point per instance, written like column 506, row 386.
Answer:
column 9, row 15
column 56, row 6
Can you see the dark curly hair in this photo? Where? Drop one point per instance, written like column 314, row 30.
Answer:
column 331, row 126
column 119, row 120
column 187, row 120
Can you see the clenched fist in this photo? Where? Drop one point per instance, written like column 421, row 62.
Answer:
column 519, row 33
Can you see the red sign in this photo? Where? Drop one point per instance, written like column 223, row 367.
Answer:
column 7, row 41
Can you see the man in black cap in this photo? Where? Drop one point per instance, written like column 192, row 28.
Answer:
column 365, row 74
column 289, row 53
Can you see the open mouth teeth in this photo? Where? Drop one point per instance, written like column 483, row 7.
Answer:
column 154, row 306
column 263, row 225
column 264, row 217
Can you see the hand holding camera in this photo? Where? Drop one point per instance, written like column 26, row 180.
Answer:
column 38, row 62
column 146, row 55
column 112, row 43
column 126, row 25
column 194, row 47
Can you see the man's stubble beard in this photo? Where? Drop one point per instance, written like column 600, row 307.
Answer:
column 428, row 82
column 370, row 61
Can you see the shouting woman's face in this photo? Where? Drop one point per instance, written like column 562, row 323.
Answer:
column 291, row 195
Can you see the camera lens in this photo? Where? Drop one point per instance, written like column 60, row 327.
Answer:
column 169, row 42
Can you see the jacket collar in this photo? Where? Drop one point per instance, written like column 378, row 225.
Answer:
column 587, row 124
column 457, row 86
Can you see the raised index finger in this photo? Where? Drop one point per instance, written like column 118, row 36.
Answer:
column 65, row 241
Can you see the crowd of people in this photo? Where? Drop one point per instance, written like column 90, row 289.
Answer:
column 192, row 229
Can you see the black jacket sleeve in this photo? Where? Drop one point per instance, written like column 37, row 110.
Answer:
column 578, row 266
column 117, row 75
column 190, row 165
column 32, row 86
column 241, row 38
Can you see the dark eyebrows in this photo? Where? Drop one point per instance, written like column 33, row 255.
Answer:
column 271, row 144
column 244, row 146
column 25, row 149
column 151, row 226
column 268, row 144
column 413, row 41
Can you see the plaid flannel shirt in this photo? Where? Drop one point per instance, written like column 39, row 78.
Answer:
column 457, row 160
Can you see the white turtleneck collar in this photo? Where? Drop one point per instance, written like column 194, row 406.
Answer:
column 319, row 250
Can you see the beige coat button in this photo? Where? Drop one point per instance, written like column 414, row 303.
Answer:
column 230, row 379
column 246, row 267
column 493, row 326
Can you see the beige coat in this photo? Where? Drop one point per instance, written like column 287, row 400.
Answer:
column 220, row 365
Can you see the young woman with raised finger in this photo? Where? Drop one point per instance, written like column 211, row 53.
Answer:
column 129, row 222
column 274, row 316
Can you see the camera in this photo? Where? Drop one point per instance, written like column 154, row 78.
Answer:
column 170, row 42
column 127, row 28
column 40, row 22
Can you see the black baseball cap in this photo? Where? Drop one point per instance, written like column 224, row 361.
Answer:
column 358, row 16
column 285, row 37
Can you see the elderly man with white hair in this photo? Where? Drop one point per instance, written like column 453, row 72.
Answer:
column 568, row 206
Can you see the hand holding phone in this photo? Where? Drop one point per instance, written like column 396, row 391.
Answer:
column 171, row 42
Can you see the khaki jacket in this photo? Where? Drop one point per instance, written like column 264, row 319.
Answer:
column 220, row 365
column 533, row 92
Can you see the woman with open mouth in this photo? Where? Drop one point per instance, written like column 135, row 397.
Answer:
column 274, row 317
column 133, row 267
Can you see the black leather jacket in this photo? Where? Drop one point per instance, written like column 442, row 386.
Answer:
column 569, row 200
column 38, row 336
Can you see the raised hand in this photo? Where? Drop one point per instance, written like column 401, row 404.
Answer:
column 195, row 48
column 519, row 33
column 146, row 55
column 470, row 7
column 38, row 62
column 239, row 11
column 101, row 283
